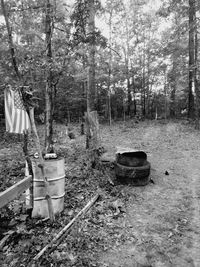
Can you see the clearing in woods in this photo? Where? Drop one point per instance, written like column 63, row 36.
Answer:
column 163, row 219
column 156, row 225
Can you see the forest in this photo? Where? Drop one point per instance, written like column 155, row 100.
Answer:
column 94, row 77
column 144, row 59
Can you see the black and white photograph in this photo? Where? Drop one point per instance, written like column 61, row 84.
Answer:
column 99, row 133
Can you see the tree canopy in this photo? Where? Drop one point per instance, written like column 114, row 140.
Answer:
column 146, row 55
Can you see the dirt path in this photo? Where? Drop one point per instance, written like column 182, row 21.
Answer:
column 162, row 219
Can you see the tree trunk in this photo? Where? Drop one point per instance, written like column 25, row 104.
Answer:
column 49, row 81
column 10, row 40
column 173, row 82
column 143, row 91
column 91, row 118
column 191, row 58
column 91, row 59
column 173, row 98
column 165, row 91
column 147, row 84
column 124, row 110
column 134, row 94
column 109, row 107
column 127, row 60
column 143, row 79
column 110, row 69
column 196, row 84
column 129, row 97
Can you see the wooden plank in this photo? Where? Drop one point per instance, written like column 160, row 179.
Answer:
column 15, row 190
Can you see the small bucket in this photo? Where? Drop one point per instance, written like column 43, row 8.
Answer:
column 55, row 173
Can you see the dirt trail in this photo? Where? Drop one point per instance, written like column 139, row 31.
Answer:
column 162, row 219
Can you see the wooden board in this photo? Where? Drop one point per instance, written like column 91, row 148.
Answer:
column 12, row 192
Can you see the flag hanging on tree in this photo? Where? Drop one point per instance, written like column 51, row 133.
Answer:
column 16, row 117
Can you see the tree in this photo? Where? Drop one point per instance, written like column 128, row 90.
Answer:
column 191, row 58
column 49, row 79
column 30, row 110
column 91, row 95
column 196, row 82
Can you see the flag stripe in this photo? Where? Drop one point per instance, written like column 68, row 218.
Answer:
column 8, row 110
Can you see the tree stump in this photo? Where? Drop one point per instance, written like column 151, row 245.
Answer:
column 92, row 137
column 92, row 130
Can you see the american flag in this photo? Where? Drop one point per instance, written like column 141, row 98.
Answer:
column 16, row 117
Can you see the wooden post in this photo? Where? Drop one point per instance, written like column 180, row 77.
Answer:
column 41, row 165
column 92, row 129
column 30, row 168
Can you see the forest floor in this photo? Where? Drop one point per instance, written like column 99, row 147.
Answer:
column 155, row 225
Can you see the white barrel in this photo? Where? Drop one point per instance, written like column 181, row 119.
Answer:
column 55, row 173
